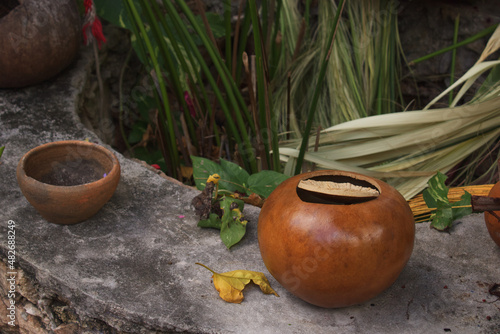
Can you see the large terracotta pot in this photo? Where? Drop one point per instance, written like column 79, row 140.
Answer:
column 38, row 39
column 492, row 222
column 68, row 182
column 329, row 253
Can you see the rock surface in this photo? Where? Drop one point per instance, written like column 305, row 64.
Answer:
column 131, row 268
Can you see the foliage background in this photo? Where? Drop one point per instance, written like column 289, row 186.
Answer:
column 410, row 83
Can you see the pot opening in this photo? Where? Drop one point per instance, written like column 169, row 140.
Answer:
column 73, row 173
column 63, row 167
column 7, row 6
column 336, row 189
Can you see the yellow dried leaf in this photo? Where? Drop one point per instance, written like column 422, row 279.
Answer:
column 230, row 285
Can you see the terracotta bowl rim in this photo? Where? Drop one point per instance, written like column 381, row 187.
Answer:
column 113, row 173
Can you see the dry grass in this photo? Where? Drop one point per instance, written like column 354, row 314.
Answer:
column 407, row 148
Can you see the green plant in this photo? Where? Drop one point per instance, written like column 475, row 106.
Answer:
column 222, row 213
column 444, row 212
column 231, row 224
column 193, row 81
column 173, row 57
column 233, row 178
column 225, row 188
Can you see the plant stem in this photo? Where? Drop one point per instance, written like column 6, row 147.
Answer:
column 204, row 266
column 471, row 39
column 227, row 24
column 243, row 38
column 319, row 83
column 162, row 91
column 171, row 66
column 101, row 86
column 233, row 96
column 261, row 77
column 453, row 58
column 276, row 45
column 235, row 59
column 233, row 93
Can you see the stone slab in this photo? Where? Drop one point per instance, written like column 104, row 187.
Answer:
column 132, row 266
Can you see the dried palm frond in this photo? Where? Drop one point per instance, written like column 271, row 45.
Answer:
column 407, row 148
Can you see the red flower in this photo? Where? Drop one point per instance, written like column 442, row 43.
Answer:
column 92, row 27
column 155, row 166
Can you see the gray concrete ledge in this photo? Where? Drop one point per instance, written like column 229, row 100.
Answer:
column 132, row 266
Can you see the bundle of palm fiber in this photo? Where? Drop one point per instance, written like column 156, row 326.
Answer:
column 422, row 213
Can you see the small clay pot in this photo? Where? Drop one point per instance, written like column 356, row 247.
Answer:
column 492, row 222
column 38, row 39
column 335, row 249
column 68, row 182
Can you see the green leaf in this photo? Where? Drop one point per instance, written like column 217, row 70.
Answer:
column 138, row 129
column 151, row 155
column 114, row 12
column 233, row 228
column 233, row 177
column 443, row 218
column 465, row 200
column 213, row 221
column 437, row 188
column 145, row 103
column 436, row 196
column 216, row 23
column 430, row 201
column 264, row 182
column 1, row 150
column 202, row 169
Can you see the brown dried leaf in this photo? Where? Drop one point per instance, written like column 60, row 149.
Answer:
column 203, row 202
column 187, row 172
column 253, row 199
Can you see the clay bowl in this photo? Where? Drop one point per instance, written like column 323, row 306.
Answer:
column 335, row 248
column 64, row 181
column 492, row 222
column 38, row 39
